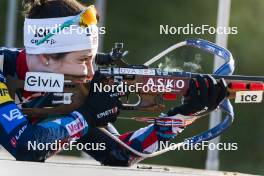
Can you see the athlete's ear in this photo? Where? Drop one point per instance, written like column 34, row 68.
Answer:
column 44, row 59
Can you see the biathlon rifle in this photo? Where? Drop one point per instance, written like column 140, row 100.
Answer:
column 154, row 85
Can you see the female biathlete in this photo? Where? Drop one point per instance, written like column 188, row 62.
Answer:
column 72, row 53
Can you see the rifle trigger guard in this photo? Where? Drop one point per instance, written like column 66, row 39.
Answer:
column 133, row 106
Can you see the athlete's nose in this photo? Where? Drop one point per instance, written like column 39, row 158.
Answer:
column 90, row 68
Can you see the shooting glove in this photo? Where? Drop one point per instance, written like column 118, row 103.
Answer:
column 100, row 108
column 204, row 95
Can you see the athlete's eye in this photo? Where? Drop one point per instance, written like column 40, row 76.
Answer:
column 85, row 59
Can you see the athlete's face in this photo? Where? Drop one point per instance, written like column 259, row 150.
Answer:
column 78, row 63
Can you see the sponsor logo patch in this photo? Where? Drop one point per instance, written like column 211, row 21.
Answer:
column 174, row 84
column 11, row 117
column 14, row 139
column 249, row 97
column 44, row 82
column 4, row 95
column 132, row 71
column 107, row 113
column 75, row 127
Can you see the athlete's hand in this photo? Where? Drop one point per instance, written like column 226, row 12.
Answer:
column 100, row 108
column 204, row 95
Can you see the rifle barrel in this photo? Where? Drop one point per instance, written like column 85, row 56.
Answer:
column 229, row 78
column 241, row 78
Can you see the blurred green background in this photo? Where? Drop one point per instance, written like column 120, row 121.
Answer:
column 136, row 23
